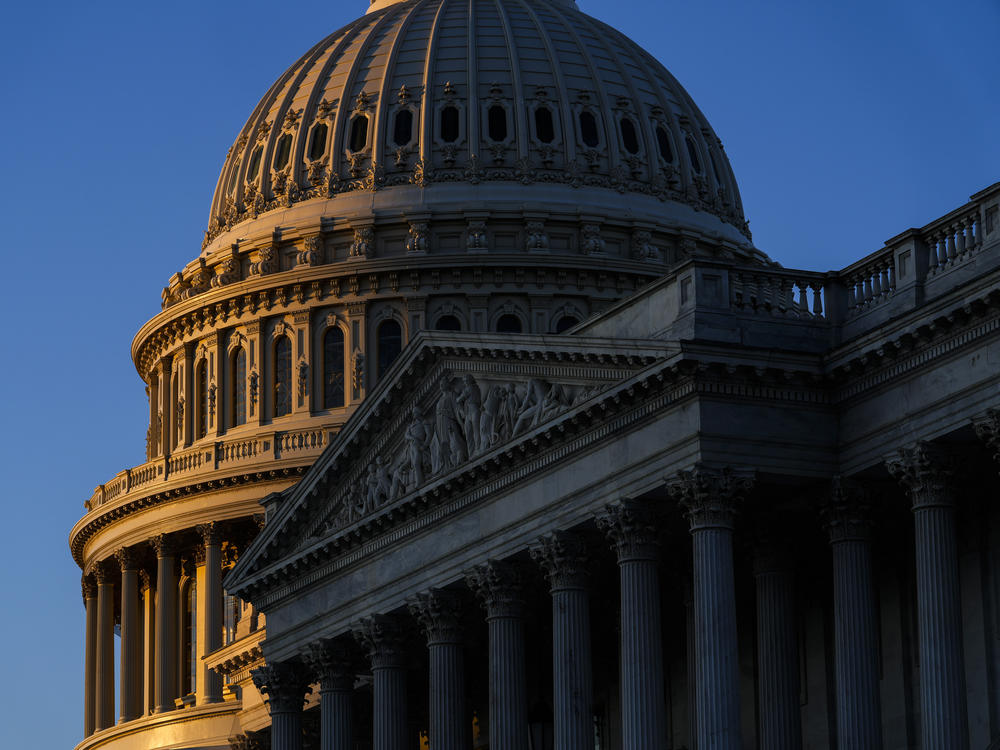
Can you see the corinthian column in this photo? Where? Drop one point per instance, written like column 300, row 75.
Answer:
column 90, row 655
column 286, row 685
column 334, row 666
column 563, row 557
column 855, row 645
column 385, row 639
column 165, row 660
column 498, row 587
column 630, row 527
column 439, row 613
column 925, row 472
column 779, row 716
column 104, row 691
column 209, row 593
column 710, row 498
column 130, row 661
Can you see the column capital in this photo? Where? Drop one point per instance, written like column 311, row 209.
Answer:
column 563, row 558
column 498, row 586
column 987, row 427
column 128, row 558
column 925, row 471
column 210, row 533
column 846, row 515
column 145, row 579
column 333, row 663
column 88, row 586
column 165, row 545
column 631, row 528
column 385, row 637
column 104, row 572
column 286, row 684
column 439, row 613
column 710, row 497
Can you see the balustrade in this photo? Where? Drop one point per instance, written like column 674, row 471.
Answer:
column 953, row 240
column 870, row 282
column 795, row 294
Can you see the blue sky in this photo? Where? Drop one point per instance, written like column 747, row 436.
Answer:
column 846, row 123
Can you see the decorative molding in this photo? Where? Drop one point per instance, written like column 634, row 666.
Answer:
column 710, row 497
column 286, row 685
column 439, row 613
column 563, row 556
column 499, row 586
column 926, row 471
column 385, row 638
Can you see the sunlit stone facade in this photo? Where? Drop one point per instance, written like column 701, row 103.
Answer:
column 479, row 421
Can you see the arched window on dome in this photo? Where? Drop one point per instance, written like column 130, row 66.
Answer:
column 448, row 323
column 238, row 387
column 509, row 323
column 201, row 399
column 254, row 167
column 545, row 128
column 333, row 368
column 402, row 127
column 388, row 345
column 282, row 376
column 232, row 178
column 282, row 152
column 317, row 141
column 630, row 138
column 496, row 121
column 358, row 136
column 693, row 155
column 565, row 323
column 588, row 129
column 663, row 143
column 450, row 128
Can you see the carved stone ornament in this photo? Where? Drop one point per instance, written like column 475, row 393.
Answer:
column 710, row 497
column 358, row 370
column 847, row 513
column 333, row 664
column 286, row 685
column 987, row 429
column 475, row 236
column 164, row 544
column 251, row 741
column 254, row 384
column 643, row 248
column 104, row 572
column 364, row 243
column 386, row 640
column 418, row 238
column 926, row 472
column 631, row 528
column 536, row 237
column 312, row 251
column 88, row 586
column 440, row 615
column 499, row 587
column 265, row 263
column 226, row 272
column 210, row 534
column 593, row 243
column 563, row 557
column 127, row 557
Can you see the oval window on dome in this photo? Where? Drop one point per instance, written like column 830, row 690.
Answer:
column 693, row 154
column 358, row 137
column 588, row 129
column 283, row 151
column 402, row 131
column 663, row 142
column 545, row 129
column 509, row 324
column 254, row 164
column 448, row 323
column 449, row 124
column 630, row 139
column 317, row 142
column 497, row 123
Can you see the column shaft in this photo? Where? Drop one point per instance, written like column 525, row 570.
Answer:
column 571, row 670
column 130, row 661
column 165, row 664
column 389, row 689
column 90, row 660
column 336, row 726
column 209, row 683
column 508, row 685
column 105, row 684
column 286, row 730
column 779, row 715
column 448, row 724
column 148, row 647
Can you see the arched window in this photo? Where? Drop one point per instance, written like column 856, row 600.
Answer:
column 663, row 141
column 402, row 131
column 448, row 323
column 497, row 123
column 509, row 324
column 545, row 129
column 333, row 368
column 282, row 376
column 201, row 378
column 283, row 151
column 449, row 124
column 238, row 387
column 358, row 137
column 317, row 144
column 254, row 164
column 693, row 154
column 232, row 178
column 588, row 129
column 565, row 323
column 389, row 343
column 630, row 139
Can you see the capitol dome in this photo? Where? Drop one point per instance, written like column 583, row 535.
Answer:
column 434, row 105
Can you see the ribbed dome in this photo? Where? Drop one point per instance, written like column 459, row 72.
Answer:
column 418, row 95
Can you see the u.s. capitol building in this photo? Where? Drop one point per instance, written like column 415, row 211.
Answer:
column 480, row 422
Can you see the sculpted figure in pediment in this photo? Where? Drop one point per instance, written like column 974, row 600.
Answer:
column 416, row 447
column 451, row 442
column 470, row 401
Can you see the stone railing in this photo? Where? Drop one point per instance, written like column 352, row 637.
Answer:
column 953, row 238
column 778, row 292
column 870, row 281
column 221, row 455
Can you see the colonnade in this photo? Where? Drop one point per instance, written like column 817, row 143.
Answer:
column 711, row 500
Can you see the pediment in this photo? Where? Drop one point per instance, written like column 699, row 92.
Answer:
column 455, row 404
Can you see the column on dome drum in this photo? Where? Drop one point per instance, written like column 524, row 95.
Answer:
column 148, row 642
column 563, row 557
column 631, row 527
column 498, row 585
column 165, row 662
column 385, row 639
column 440, row 613
column 927, row 474
column 710, row 498
column 104, row 690
column 209, row 592
column 286, row 685
column 130, row 661
column 90, row 655
column 333, row 665
column 848, row 523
